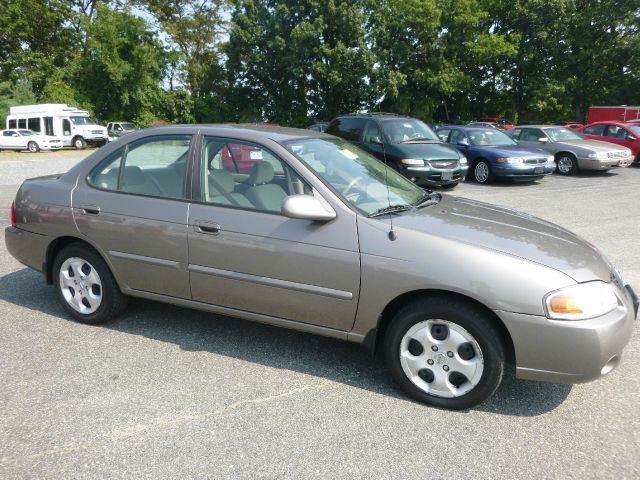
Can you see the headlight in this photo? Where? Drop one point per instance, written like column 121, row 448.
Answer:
column 509, row 160
column 579, row 302
column 463, row 160
column 550, row 158
column 412, row 161
column 599, row 155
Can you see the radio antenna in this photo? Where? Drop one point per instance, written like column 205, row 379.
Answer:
column 392, row 232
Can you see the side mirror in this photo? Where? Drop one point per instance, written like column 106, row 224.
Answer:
column 15, row 135
column 543, row 140
column 463, row 142
column 66, row 133
column 306, row 207
column 632, row 138
column 376, row 140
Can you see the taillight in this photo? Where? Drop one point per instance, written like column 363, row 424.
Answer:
column 13, row 214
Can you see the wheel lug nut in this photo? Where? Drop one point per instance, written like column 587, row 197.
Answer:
column 450, row 354
column 434, row 348
column 445, row 368
column 430, row 362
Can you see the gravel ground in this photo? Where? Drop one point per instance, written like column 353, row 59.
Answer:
column 166, row 392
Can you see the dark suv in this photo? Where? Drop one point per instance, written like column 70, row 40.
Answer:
column 405, row 143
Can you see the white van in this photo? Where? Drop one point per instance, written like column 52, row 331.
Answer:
column 75, row 127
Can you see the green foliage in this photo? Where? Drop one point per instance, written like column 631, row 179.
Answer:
column 291, row 62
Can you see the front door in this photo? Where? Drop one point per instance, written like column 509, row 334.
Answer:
column 134, row 208
column 245, row 255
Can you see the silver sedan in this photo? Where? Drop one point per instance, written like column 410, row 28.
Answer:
column 303, row 230
column 572, row 151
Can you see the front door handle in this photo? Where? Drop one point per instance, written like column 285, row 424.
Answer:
column 208, row 228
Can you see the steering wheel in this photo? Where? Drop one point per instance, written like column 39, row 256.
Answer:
column 352, row 184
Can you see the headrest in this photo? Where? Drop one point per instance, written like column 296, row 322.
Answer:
column 221, row 180
column 261, row 173
column 133, row 175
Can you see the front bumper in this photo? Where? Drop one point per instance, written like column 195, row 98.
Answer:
column 27, row 247
column 595, row 164
column 429, row 176
column 571, row 351
column 524, row 171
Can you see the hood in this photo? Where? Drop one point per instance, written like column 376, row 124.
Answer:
column 510, row 232
column 595, row 145
column 424, row 151
column 514, row 151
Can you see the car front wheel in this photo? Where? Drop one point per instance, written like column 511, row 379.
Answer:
column 567, row 164
column 85, row 286
column 445, row 352
column 33, row 147
column 79, row 143
column 482, row 172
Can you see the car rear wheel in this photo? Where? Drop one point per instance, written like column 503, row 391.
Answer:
column 445, row 352
column 33, row 147
column 482, row 172
column 566, row 164
column 85, row 286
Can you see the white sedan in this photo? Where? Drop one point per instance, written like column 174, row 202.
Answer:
column 20, row 139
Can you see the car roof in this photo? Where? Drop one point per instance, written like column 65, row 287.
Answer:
column 380, row 115
column 277, row 134
column 541, row 126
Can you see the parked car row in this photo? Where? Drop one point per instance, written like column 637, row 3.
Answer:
column 485, row 151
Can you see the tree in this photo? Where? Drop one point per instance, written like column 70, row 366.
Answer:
column 122, row 69
column 292, row 60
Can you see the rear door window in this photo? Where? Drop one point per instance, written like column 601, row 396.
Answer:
column 349, row 128
column 595, row 130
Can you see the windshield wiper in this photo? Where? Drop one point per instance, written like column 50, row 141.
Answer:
column 390, row 209
column 427, row 199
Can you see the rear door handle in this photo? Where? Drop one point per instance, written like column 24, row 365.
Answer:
column 90, row 209
column 208, row 228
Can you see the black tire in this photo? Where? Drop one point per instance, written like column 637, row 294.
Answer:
column 487, row 176
column 113, row 302
column 33, row 147
column 79, row 143
column 455, row 313
column 566, row 164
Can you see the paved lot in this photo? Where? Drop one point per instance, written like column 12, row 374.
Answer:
column 170, row 393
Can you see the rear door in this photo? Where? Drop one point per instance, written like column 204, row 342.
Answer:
column 133, row 206
column 248, row 257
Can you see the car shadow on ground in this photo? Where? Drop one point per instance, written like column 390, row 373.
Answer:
column 270, row 346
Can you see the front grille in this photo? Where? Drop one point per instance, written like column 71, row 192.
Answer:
column 444, row 164
column 96, row 132
column 535, row 160
column 617, row 154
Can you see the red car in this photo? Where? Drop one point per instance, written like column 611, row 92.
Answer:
column 625, row 134
column 573, row 126
column 503, row 122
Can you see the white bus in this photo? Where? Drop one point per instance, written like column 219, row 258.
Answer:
column 75, row 127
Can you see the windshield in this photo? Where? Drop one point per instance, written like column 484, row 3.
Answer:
column 25, row 133
column 355, row 175
column 562, row 134
column 82, row 121
column 128, row 126
column 635, row 129
column 489, row 137
column 406, row 130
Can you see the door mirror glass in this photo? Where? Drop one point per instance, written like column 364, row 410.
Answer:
column 306, row 207
column 543, row 140
column 15, row 135
column 463, row 142
column 376, row 140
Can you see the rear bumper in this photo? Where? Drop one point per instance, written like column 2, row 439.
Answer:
column 27, row 247
column 570, row 351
